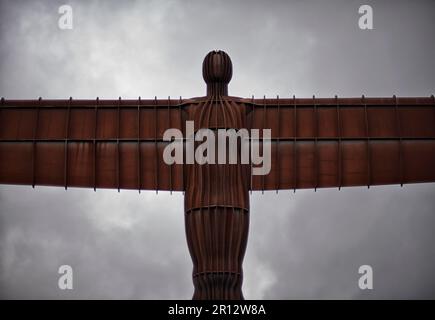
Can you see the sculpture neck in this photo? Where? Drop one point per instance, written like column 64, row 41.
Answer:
column 217, row 89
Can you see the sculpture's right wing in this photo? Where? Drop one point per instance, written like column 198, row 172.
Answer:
column 89, row 143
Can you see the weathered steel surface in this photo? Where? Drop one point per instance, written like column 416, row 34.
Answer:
column 217, row 71
column 217, row 209
column 317, row 143
column 99, row 143
column 320, row 143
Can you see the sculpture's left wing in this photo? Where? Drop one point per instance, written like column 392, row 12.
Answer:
column 338, row 142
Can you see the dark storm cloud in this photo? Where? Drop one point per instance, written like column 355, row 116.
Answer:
column 303, row 245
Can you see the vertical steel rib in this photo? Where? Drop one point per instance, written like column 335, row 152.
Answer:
column 295, row 132
column 277, row 150
column 263, row 127
column 139, row 160
column 367, row 131
column 339, row 168
column 65, row 167
column 399, row 133
column 169, row 126
column 118, row 158
column 95, row 144
column 35, row 135
column 180, row 114
column 250, row 144
column 316, row 133
column 156, row 158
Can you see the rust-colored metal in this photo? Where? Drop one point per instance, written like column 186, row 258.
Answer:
column 217, row 209
column 316, row 143
column 217, row 71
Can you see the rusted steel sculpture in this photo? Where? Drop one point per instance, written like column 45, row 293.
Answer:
column 316, row 143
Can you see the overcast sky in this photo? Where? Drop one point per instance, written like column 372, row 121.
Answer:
column 132, row 246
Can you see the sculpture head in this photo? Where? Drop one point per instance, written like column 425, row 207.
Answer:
column 217, row 71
